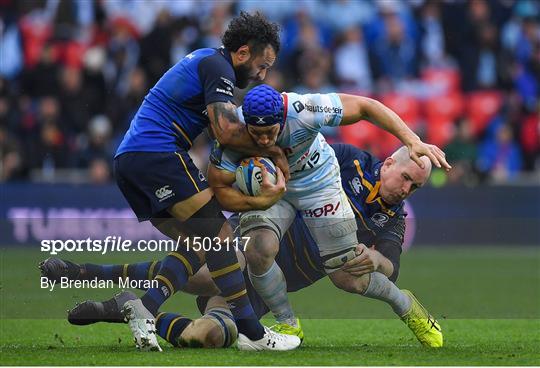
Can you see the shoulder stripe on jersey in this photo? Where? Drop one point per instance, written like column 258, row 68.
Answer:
column 375, row 197
column 187, row 171
column 389, row 212
column 366, row 183
column 373, row 190
column 183, row 133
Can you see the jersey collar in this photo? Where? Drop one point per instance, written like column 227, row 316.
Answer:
column 375, row 196
column 226, row 54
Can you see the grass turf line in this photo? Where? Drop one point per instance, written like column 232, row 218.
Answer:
column 329, row 342
column 487, row 300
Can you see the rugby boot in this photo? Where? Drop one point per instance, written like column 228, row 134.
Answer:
column 288, row 329
column 426, row 329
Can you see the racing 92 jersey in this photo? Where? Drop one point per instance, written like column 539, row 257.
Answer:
column 312, row 161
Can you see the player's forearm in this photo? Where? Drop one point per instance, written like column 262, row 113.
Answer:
column 235, row 201
column 385, row 118
column 230, row 132
column 382, row 116
column 385, row 266
column 239, row 140
column 226, row 126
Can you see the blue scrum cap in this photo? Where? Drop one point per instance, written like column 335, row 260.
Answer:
column 263, row 106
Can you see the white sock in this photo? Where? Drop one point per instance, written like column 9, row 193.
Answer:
column 383, row 289
column 272, row 288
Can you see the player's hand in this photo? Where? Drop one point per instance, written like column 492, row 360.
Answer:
column 418, row 149
column 271, row 193
column 366, row 261
column 279, row 158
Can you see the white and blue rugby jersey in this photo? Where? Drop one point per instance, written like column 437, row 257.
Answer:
column 312, row 161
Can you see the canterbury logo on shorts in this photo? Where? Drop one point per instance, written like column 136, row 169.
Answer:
column 164, row 193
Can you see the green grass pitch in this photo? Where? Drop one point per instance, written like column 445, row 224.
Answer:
column 486, row 299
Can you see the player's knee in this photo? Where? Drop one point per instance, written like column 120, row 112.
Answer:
column 362, row 283
column 348, row 286
column 262, row 248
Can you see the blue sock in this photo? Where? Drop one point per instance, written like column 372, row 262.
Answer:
column 135, row 271
column 272, row 288
column 175, row 270
column 228, row 277
column 170, row 326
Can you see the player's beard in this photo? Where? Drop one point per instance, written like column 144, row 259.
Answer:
column 243, row 76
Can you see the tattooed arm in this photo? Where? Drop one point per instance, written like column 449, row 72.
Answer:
column 229, row 131
column 227, row 128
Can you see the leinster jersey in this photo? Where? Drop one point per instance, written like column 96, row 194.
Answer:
column 173, row 113
column 312, row 162
column 361, row 180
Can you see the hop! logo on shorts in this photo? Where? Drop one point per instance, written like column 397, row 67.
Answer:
column 325, row 210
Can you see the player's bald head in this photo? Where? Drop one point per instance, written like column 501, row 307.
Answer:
column 401, row 176
column 401, row 158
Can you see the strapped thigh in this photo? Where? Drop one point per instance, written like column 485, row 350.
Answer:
column 277, row 218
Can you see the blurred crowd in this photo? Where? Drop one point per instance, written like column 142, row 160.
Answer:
column 463, row 74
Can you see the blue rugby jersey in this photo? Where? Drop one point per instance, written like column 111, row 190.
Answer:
column 360, row 178
column 174, row 113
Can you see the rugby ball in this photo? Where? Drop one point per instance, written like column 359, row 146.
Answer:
column 249, row 174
